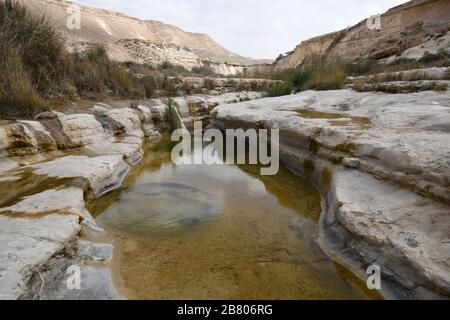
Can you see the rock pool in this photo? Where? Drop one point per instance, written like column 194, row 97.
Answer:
column 218, row 232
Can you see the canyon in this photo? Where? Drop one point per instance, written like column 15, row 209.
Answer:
column 379, row 161
column 374, row 169
column 51, row 167
column 130, row 39
column 406, row 31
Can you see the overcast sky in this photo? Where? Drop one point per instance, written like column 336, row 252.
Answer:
column 253, row 28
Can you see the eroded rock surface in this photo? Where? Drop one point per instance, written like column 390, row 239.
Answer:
column 49, row 167
column 382, row 163
column 410, row 30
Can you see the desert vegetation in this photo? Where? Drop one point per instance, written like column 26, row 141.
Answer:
column 37, row 72
column 321, row 74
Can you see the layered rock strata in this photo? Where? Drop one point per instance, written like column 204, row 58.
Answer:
column 382, row 165
column 49, row 168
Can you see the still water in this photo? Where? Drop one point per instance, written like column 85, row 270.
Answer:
column 218, row 232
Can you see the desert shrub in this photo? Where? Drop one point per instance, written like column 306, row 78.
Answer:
column 94, row 74
column 363, row 67
column 170, row 87
column 34, row 65
column 140, row 69
column 17, row 93
column 279, row 89
column 172, row 70
column 233, row 84
column 210, row 84
column 296, row 76
column 437, row 59
column 447, row 75
column 150, row 84
column 437, row 86
column 254, row 86
column 315, row 73
column 243, row 86
column 121, row 81
column 38, row 44
column 323, row 75
column 360, row 86
column 187, row 88
column 203, row 71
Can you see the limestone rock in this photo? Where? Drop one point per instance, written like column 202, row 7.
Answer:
column 392, row 208
column 104, row 173
column 34, row 230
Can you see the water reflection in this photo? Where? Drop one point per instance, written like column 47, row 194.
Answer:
column 218, row 232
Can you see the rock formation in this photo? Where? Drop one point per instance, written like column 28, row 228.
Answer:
column 131, row 39
column 49, row 167
column 409, row 30
column 381, row 164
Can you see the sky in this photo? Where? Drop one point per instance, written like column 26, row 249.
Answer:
column 253, row 28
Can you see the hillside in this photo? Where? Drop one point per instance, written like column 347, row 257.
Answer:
column 131, row 39
column 407, row 31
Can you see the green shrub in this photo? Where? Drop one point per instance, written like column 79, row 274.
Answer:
column 94, row 73
column 324, row 76
column 279, row 89
column 233, row 84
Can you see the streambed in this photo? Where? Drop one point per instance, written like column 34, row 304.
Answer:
column 218, row 232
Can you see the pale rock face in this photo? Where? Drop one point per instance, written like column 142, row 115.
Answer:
column 7, row 165
column 381, row 162
column 407, row 75
column 43, row 233
column 402, row 220
column 407, row 31
column 227, row 69
column 51, row 200
column 34, row 230
column 130, row 39
column 29, row 243
column 83, row 129
column 433, row 45
column 104, row 173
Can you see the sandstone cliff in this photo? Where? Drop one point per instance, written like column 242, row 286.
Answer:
column 131, row 39
column 408, row 30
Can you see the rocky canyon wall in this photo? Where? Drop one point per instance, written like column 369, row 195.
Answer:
column 409, row 30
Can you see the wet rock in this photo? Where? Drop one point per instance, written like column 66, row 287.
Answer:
column 91, row 277
column 42, row 234
column 104, row 173
column 403, row 228
column 391, row 208
column 83, row 129
column 89, row 250
column 34, row 230
column 47, row 115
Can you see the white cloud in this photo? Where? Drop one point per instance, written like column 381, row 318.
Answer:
column 254, row 28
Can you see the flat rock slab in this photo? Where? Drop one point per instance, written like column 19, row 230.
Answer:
column 411, row 232
column 104, row 173
column 95, row 284
column 34, row 230
column 392, row 207
column 401, row 137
